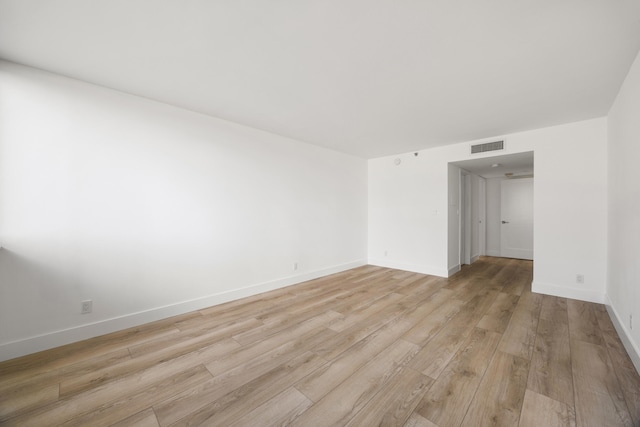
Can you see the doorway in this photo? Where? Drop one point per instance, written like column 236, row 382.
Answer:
column 479, row 226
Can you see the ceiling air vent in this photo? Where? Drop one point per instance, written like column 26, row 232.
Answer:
column 488, row 146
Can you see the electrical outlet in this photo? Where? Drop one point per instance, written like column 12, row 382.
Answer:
column 295, row 265
column 87, row 307
column 630, row 321
column 386, row 253
column 579, row 278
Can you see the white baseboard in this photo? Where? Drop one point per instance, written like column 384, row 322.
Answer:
column 494, row 253
column 475, row 258
column 414, row 268
column 567, row 292
column 623, row 333
column 46, row 341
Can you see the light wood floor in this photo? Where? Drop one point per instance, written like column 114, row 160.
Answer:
column 370, row 346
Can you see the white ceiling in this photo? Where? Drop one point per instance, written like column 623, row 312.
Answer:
column 366, row 77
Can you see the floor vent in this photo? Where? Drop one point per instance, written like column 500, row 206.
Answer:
column 488, row 146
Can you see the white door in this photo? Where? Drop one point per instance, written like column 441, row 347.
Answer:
column 482, row 216
column 466, row 218
column 516, row 231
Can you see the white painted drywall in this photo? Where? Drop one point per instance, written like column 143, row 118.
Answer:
column 151, row 210
column 569, row 207
column 623, row 281
column 408, row 212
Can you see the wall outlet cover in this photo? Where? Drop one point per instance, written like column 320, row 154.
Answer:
column 87, row 307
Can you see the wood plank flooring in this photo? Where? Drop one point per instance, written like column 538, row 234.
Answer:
column 369, row 346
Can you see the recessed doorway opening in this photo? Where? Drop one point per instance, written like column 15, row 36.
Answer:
column 494, row 211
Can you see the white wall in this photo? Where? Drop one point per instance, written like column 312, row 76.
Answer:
column 407, row 205
column 623, row 287
column 150, row 210
column 408, row 211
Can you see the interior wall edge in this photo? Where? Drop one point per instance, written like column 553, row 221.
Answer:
column 632, row 350
column 453, row 270
column 54, row 339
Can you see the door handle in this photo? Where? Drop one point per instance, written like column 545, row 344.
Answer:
column 505, row 222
